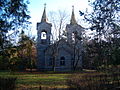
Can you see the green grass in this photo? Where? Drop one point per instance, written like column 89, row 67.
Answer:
column 39, row 79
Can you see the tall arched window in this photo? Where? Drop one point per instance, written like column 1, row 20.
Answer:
column 43, row 35
column 62, row 61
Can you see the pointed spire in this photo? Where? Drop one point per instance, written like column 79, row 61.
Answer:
column 73, row 20
column 44, row 17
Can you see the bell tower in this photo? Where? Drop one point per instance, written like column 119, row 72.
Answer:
column 73, row 29
column 74, row 37
column 43, row 39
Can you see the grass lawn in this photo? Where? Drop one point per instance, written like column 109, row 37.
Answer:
column 32, row 81
column 36, row 79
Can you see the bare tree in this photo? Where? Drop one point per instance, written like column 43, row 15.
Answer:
column 59, row 20
column 77, row 47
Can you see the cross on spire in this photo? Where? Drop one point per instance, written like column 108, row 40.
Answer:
column 73, row 8
column 44, row 5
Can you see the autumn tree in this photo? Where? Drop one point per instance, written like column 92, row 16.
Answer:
column 13, row 17
column 26, row 50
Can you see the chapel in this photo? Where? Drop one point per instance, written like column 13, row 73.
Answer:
column 63, row 55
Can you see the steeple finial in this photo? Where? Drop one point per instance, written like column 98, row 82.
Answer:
column 44, row 17
column 73, row 20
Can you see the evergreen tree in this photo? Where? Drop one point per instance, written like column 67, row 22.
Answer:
column 13, row 17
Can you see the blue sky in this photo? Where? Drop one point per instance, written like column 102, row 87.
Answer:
column 36, row 9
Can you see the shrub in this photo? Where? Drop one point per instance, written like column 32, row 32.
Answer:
column 7, row 83
column 94, row 81
column 4, row 63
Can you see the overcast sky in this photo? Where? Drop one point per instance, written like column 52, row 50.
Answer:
column 36, row 9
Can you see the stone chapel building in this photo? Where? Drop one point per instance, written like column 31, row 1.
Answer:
column 65, row 54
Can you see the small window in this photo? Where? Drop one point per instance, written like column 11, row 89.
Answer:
column 73, row 37
column 74, row 34
column 43, row 35
column 62, row 61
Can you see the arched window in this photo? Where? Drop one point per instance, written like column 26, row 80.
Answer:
column 62, row 61
column 43, row 35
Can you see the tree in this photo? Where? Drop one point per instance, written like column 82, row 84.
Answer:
column 59, row 20
column 77, row 45
column 104, row 19
column 13, row 17
column 27, row 51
